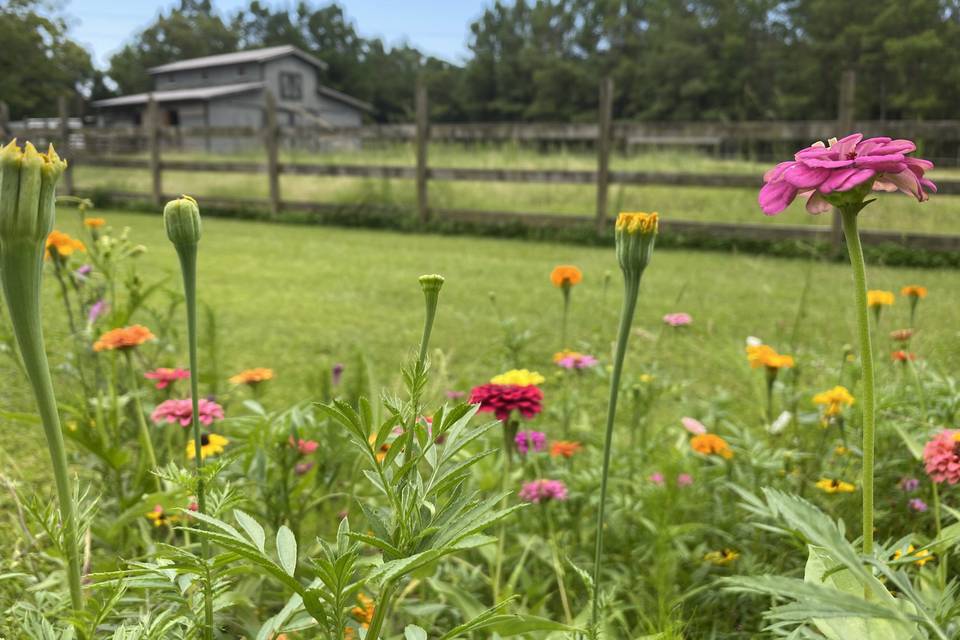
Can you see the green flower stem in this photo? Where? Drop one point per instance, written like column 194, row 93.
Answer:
column 566, row 313
column 505, row 467
column 20, row 268
column 381, row 610
column 855, row 250
column 188, row 266
column 146, row 441
column 631, row 293
column 557, row 566
column 938, row 522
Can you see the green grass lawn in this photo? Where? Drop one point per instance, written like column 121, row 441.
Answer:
column 892, row 211
column 298, row 298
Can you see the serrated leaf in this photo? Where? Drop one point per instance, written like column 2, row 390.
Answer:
column 287, row 549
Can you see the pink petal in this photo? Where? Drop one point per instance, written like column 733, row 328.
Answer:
column 777, row 171
column 776, row 196
column 817, row 204
column 846, row 179
column 907, row 182
column 804, row 177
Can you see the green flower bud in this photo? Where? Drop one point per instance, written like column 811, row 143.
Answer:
column 635, row 235
column 28, row 181
column 181, row 217
column 431, row 293
column 431, row 283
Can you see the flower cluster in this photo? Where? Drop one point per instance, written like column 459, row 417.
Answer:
column 543, row 490
column 941, row 456
column 181, row 411
column 123, row 338
column 834, row 400
column 574, row 360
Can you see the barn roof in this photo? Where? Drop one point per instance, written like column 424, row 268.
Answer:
column 239, row 57
column 178, row 95
column 339, row 96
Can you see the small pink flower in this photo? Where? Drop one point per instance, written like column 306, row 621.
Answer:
column 684, row 480
column 678, row 319
column 656, row 478
column 693, row 425
column 164, row 377
column 526, row 440
column 193, row 506
column 182, row 411
column 909, row 485
column 918, row 505
column 543, row 491
column 577, row 361
column 305, row 447
column 302, row 468
column 942, row 457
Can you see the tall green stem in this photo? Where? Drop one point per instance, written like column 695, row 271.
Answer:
column 20, row 269
column 146, row 441
column 188, row 266
column 855, row 249
column 631, row 292
column 566, row 313
column 509, row 432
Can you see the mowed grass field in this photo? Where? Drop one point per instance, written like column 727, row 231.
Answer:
column 891, row 212
column 299, row 298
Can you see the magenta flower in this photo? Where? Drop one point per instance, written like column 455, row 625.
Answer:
column 918, row 505
column 942, row 457
column 693, row 425
column 574, row 360
column 164, row 377
column 182, row 411
column 909, row 485
column 684, row 480
column 83, row 271
column 656, row 478
column 304, row 447
column 526, row 440
column 336, row 373
column 821, row 170
column 678, row 319
column 97, row 309
column 543, row 491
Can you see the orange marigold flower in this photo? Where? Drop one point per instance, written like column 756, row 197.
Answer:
column 94, row 223
column 762, row 355
column 123, row 338
column 914, row 290
column 382, row 452
column 710, row 444
column 62, row 244
column 364, row 611
column 565, row 448
column 565, row 275
column 252, row 376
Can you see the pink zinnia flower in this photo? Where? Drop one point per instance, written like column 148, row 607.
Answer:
column 942, row 457
column 693, row 425
column 918, row 505
column 543, row 491
column 684, row 480
column 97, row 309
column 656, row 478
column 577, row 361
column 164, row 376
column 182, row 411
column 526, row 440
column 503, row 399
column 305, row 447
column 678, row 319
column 821, row 170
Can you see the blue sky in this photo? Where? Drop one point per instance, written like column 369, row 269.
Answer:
column 437, row 27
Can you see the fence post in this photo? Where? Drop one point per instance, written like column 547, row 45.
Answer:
column 604, row 126
column 65, row 143
column 845, row 124
column 5, row 131
column 423, row 138
column 153, row 145
column 270, row 140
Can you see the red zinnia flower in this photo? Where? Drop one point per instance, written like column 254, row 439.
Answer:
column 503, row 399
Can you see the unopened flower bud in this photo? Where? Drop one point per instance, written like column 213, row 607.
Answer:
column 635, row 235
column 181, row 217
column 431, row 292
column 28, row 181
column 431, row 283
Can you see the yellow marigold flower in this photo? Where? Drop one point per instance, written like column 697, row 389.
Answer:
column 211, row 444
column 94, row 223
column 62, row 244
column 633, row 222
column 364, row 611
column 922, row 557
column 828, row 485
column 762, row 355
column 252, row 376
column 123, row 338
column 159, row 517
column 877, row 298
column 565, row 275
column 518, row 378
column 382, row 453
column 914, row 291
column 722, row 557
column 833, row 400
column 710, row 444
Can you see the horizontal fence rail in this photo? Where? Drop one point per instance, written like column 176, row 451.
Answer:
column 151, row 139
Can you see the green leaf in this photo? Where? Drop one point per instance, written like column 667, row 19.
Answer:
column 912, row 443
column 413, row 632
column 287, row 549
column 252, row 528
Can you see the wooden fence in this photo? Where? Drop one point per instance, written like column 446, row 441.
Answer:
column 603, row 134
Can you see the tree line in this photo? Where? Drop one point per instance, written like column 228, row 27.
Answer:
column 541, row 60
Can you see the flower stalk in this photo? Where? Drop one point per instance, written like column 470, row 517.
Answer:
column 181, row 218
column 28, row 181
column 635, row 235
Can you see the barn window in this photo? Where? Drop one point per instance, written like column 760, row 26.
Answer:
column 291, row 86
